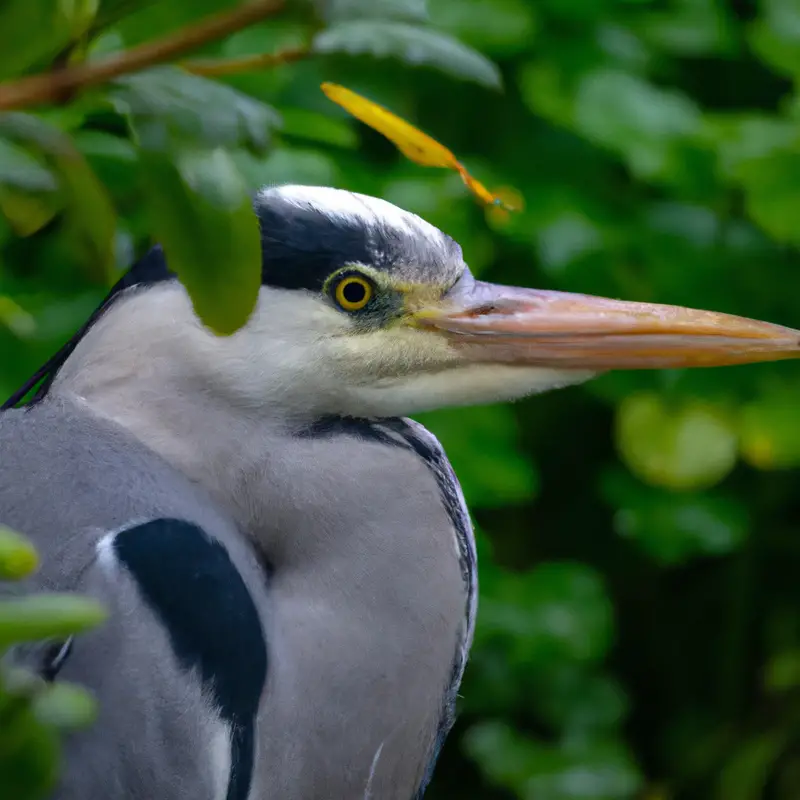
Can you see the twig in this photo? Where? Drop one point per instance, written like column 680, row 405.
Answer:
column 217, row 67
column 52, row 86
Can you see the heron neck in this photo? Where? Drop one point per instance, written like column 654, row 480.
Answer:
column 149, row 380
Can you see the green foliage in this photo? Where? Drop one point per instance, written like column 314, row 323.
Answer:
column 32, row 714
column 638, row 633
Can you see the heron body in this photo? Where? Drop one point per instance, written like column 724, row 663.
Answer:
column 352, row 631
column 288, row 560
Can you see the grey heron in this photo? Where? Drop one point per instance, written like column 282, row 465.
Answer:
column 288, row 560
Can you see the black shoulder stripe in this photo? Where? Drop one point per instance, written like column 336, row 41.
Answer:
column 189, row 581
column 351, row 426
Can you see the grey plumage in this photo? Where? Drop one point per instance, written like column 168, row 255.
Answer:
column 321, row 609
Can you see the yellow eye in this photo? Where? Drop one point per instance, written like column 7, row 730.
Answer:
column 353, row 292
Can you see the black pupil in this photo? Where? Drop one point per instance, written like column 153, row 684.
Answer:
column 354, row 292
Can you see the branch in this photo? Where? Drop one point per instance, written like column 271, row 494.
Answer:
column 52, row 86
column 217, row 67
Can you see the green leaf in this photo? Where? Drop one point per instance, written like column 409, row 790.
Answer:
column 769, row 433
column 558, row 611
column 337, row 11
column 40, row 616
column 775, row 35
column 89, row 211
column 567, row 238
column 114, row 160
column 18, row 556
column 687, row 445
column 675, row 528
column 413, row 45
column 202, row 214
column 18, row 168
column 535, row 771
column 782, row 671
column 634, row 118
column 759, row 153
column 112, row 11
column 545, row 91
column 690, row 28
column 745, row 776
column 36, row 30
column 772, row 194
column 579, row 702
column 317, row 127
column 174, row 106
column 64, row 706
column 143, row 20
column 498, row 27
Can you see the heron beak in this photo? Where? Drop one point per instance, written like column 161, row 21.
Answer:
column 492, row 323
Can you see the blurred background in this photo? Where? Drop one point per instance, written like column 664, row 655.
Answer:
column 639, row 622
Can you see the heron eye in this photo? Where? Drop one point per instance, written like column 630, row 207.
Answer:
column 353, row 292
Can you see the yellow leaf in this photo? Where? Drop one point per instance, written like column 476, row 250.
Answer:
column 410, row 141
column 477, row 188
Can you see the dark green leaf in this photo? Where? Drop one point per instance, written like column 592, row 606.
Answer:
column 690, row 28
column 201, row 212
column 634, row 118
column 499, row 27
column 179, row 106
column 674, row 528
column 556, row 612
column 536, row 771
column 88, row 206
column 580, row 702
column 747, row 773
column 112, row 11
column 36, row 30
column 317, row 127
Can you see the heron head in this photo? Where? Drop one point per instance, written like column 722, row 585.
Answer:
column 367, row 310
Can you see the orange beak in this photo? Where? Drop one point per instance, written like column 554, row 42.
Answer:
column 493, row 323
